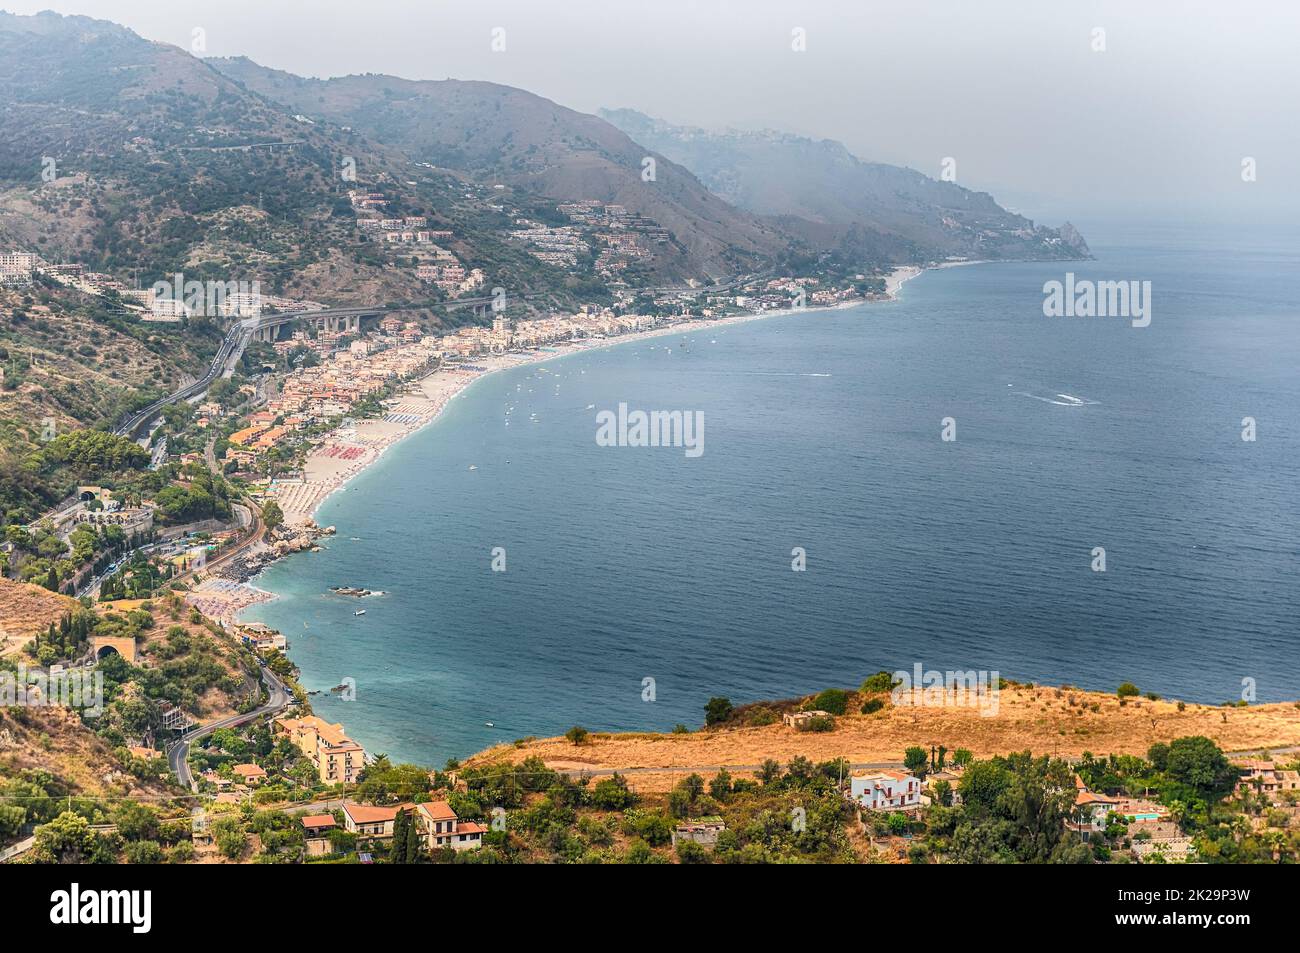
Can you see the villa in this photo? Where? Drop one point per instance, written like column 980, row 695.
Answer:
column 885, row 790
column 440, row 827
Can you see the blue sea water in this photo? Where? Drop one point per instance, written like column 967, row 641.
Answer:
column 822, row 431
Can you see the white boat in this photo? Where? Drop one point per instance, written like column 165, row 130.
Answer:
column 360, row 612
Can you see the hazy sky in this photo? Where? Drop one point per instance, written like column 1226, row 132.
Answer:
column 1156, row 125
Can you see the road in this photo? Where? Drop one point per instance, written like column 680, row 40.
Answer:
column 232, row 348
column 854, row 766
column 178, row 753
column 23, row 846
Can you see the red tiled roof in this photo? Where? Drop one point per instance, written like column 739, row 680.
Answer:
column 438, row 811
column 366, row 814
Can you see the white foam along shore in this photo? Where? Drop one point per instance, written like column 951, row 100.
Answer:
column 347, row 451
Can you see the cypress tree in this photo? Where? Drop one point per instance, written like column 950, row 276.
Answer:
column 412, row 842
column 397, row 851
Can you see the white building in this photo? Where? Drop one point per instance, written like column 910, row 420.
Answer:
column 885, row 790
column 16, row 267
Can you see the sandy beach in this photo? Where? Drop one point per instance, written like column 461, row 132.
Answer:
column 347, row 451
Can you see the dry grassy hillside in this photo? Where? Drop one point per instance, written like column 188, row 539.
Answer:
column 1059, row 721
column 26, row 609
column 55, row 741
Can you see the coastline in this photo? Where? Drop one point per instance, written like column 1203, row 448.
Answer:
column 374, row 439
column 350, row 449
column 347, row 451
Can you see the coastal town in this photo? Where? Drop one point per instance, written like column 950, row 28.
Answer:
column 316, row 403
column 310, row 313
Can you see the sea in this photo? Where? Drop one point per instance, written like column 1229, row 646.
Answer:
column 1095, row 516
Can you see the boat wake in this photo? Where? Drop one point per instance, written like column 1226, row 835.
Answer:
column 1060, row 400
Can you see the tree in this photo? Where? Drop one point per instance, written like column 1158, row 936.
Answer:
column 1197, row 762
column 916, row 760
column 144, row 852
column 272, row 515
column 405, row 845
column 689, row 852
column 136, row 821
column 612, row 794
column 880, row 682
column 1158, row 755
column 67, row 839
column 720, row 786
column 577, row 734
column 717, row 710
column 832, row 700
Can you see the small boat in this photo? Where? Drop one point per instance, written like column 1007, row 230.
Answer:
column 360, row 612
column 473, row 467
column 488, row 724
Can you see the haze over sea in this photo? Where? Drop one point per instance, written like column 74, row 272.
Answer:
column 822, row 430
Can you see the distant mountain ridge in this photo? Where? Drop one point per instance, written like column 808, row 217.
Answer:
column 528, row 142
column 820, row 192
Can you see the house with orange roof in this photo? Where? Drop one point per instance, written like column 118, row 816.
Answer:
column 338, row 759
column 374, row 822
column 245, row 437
column 1090, row 810
column 1266, row 778
column 249, row 773
column 440, row 827
column 316, row 829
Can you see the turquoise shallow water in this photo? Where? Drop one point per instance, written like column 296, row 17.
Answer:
column 822, row 430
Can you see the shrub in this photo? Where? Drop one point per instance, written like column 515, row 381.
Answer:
column 872, row 705
column 144, row 852
column 689, row 852
column 817, row 724
column 717, row 710
column 833, row 700
column 880, row 682
column 1127, row 690
column 576, row 734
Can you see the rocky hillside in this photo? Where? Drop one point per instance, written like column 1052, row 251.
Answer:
column 513, row 137
column 820, row 192
column 137, row 159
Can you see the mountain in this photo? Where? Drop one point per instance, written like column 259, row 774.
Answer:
column 156, row 161
column 511, row 136
column 820, row 192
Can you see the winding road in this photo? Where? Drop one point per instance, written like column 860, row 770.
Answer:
column 178, row 753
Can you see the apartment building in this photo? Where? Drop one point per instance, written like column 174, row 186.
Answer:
column 338, row 759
